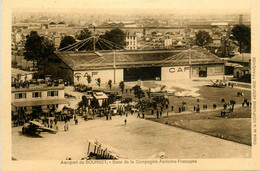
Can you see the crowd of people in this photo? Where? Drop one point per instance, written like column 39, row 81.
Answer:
column 16, row 83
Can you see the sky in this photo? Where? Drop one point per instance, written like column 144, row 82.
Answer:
column 140, row 4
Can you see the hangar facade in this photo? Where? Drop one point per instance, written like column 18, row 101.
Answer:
column 165, row 65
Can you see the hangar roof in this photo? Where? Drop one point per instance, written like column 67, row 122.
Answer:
column 123, row 59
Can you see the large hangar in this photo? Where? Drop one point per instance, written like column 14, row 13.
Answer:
column 165, row 65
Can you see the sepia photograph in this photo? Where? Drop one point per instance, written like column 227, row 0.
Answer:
column 121, row 82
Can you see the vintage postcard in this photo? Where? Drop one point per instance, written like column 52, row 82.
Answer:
column 130, row 85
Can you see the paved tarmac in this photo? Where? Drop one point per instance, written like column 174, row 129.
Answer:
column 138, row 139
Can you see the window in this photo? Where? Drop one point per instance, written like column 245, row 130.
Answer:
column 20, row 96
column 52, row 93
column 21, row 109
column 37, row 94
column 36, row 107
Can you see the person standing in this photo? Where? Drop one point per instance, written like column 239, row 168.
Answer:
column 51, row 122
column 65, row 127
column 172, row 108
column 125, row 121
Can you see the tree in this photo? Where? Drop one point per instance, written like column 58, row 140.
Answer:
column 98, row 81
column 225, row 47
column 37, row 48
column 85, row 33
column 66, row 41
column 138, row 92
column 116, row 36
column 89, row 79
column 109, row 84
column 242, row 34
column 48, row 48
column 122, row 86
column 203, row 38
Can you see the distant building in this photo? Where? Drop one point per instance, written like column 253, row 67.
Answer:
column 239, row 65
column 216, row 39
column 82, row 22
column 20, row 75
column 53, row 25
column 240, row 19
column 168, row 43
column 57, row 41
column 219, row 24
column 131, row 42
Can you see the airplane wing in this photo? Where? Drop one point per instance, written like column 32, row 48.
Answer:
column 42, row 128
column 213, row 81
column 45, row 129
column 36, row 123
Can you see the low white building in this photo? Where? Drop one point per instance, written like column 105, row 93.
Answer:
column 37, row 97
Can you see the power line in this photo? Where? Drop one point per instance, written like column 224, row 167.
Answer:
column 72, row 44
column 83, row 44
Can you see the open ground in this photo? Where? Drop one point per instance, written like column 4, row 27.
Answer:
column 138, row 139
column 142, row 138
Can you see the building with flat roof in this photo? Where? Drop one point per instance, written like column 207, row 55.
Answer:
column 239, row 65
column 37, row 97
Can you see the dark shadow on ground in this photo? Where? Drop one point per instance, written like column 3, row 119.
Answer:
column 29, row 135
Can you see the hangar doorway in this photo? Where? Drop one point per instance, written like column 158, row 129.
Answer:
column 144, row 73
column 203, row 71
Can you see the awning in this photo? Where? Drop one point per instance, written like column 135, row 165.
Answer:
column 39, row 102
column 100, row 95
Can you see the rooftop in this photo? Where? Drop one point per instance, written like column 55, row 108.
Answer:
column 122, row 59
column 39, row 102
column 244, row 57
column 16, row 72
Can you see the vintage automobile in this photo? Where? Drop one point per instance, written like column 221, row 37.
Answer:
column 35, row 128
column 218, row 83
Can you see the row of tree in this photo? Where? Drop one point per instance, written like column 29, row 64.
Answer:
column 117, row 36
column 240, row 34
column 38, row 47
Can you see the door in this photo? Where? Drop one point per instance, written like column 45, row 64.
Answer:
column 203, row 71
